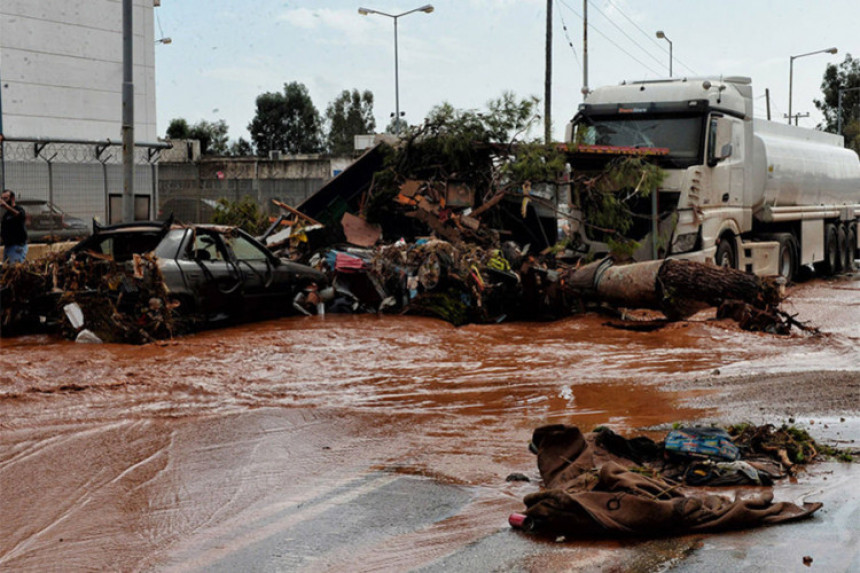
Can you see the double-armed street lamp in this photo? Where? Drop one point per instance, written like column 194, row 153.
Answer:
column 367, row 11
column 791, row 73
column 662, row 36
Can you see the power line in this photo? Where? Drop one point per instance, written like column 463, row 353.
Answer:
column 626, row 35
column 569, row 41
column 608, row 39
column 649, row 36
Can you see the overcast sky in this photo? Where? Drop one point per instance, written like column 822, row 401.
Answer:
column 225, row 53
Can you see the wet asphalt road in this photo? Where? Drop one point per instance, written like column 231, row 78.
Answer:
column 383, row 444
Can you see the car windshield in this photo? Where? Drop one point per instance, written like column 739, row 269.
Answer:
column 680, row 135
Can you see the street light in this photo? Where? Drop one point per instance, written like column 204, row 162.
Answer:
column 662, row 36
column 791, row 73
column 164, row 41
column 367, row 11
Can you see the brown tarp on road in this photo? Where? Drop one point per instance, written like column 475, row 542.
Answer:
column 591, row 493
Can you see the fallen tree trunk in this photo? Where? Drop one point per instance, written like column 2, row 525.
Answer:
column 678, row 288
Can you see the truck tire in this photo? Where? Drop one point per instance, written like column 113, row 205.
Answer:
column 851, row 248
column 842, row 241
column 830, row 264
column 725, row 255
column 788, row 265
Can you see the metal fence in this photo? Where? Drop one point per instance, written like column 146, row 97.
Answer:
column 82, row 178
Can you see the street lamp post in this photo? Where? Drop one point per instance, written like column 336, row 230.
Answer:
column 661, row 35
column 791, row 73
column 839, row 107
column 366, row 11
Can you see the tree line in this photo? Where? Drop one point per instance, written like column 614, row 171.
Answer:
column 288, row 121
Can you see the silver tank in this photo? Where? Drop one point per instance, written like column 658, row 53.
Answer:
column 793, row 166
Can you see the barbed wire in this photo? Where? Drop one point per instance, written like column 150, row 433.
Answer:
column 71, row 152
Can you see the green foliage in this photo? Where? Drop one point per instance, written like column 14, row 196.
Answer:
column 469, row 146
column 509, row 117
column 212, row 136
column 350, row 114
column 844, row 76
column 851, row 132
column 178, row 129
column 245, row 213
column 534, row 162
column 241, row 148
column 286, row 121
column 603, row 196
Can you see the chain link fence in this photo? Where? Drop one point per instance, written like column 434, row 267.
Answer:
column 83, row 179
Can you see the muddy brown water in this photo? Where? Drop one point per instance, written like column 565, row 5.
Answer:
column 187, row 454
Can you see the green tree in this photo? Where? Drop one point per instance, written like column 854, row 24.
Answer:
column 286, row 121
column 350, row 114
column 844, row 76
column 244, row 213
column 467, row 145
column 178, row 129
column 241, row 148
column 212, row 136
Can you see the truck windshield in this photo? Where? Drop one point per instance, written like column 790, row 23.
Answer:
column 681, row 135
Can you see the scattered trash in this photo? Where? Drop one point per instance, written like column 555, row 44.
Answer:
column 74, row 314
column 601, row 484
column 87, row 337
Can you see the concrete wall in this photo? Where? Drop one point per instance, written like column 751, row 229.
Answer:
column 61, row 69
column 185, row 188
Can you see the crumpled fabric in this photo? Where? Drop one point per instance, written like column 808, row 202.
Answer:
column 592, row 493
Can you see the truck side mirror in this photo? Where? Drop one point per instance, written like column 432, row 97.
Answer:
column 719, row 140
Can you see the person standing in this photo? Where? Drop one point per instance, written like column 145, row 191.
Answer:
column 13, row 229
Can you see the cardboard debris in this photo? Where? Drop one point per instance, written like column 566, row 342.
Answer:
column 359, row 232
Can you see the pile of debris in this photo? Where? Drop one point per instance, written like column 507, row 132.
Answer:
column 122, row 303
column 601, row 484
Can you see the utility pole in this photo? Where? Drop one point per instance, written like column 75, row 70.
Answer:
column 767, row 99
column 795, row 117
column 127, row 112
column 584, row 48
column 547, row 93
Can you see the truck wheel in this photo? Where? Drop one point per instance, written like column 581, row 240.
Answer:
column 787, row 256
column 842, row 242
column 851, row 249
column 725, row 255
column 830, row 264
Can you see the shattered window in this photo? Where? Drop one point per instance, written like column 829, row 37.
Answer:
column 681, row 135
column 244, row 249
column 207, row 248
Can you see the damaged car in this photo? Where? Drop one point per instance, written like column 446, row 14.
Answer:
column 212, row 272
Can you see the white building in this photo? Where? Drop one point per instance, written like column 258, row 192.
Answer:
column 61, row 69
column 61, row 91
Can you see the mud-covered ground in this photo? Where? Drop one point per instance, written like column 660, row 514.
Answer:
column 366, row 443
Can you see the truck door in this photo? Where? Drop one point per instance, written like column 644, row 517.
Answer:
column 725, row 156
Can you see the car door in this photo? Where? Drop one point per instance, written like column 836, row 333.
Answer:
column 212, row 278
column 265, row 289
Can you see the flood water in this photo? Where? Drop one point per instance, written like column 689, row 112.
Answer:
column 260, row 444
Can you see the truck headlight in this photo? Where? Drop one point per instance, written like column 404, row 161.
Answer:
column 684, row 243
